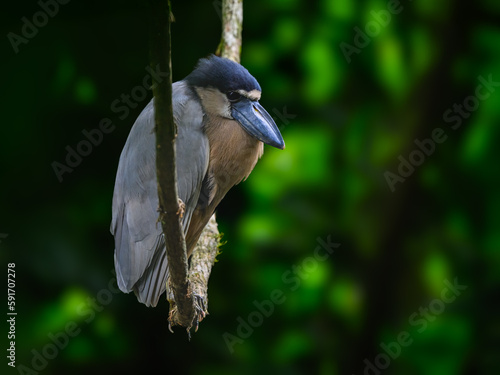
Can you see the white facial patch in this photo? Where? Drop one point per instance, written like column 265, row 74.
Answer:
column 214, row 102
column 252, row 95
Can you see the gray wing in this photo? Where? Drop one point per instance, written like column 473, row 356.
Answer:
column 140, row 255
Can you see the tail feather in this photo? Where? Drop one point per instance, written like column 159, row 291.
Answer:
column 153, row 282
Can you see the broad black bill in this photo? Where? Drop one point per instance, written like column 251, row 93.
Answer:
column 257, row 122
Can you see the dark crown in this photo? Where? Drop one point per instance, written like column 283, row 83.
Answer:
column 223, row 74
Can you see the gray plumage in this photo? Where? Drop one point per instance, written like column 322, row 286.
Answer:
column 214, row 152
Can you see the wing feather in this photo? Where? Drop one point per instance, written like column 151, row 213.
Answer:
column 140, row 255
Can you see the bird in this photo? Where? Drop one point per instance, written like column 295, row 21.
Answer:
column 222, row 129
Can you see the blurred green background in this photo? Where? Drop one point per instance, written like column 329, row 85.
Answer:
column 348, row 124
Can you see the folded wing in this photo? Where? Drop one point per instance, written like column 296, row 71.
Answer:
column 140, row 255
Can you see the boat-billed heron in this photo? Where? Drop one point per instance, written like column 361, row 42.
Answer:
column 222, row 129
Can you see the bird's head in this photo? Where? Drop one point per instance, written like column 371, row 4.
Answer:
column 228, row 90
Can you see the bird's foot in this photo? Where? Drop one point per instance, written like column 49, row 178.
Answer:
column 182, row 208
column 200, row 312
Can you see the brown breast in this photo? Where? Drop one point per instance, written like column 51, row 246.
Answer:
column 233, row 155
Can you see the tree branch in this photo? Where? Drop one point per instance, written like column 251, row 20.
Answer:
column 202, row 261
column 207, row 248
column 166, row 132
column 181, row 288
column 232, row 25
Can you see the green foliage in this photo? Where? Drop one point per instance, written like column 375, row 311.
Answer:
column 353, row 121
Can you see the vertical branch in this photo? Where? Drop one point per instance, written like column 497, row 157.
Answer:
column 182, row 289
column 204, row 253
column 202, row 261
column 166, row 132
column 232, row 25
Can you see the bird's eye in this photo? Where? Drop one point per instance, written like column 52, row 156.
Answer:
column 233, row 96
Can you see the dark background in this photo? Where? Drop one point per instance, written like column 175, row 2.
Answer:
column 352, row 122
